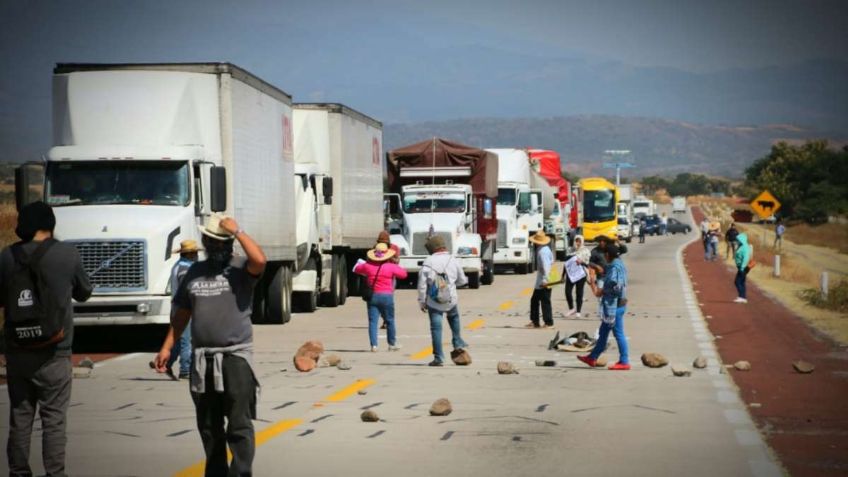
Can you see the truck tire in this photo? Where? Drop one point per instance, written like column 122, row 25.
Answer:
column 488, row 273
column 628, row 239
column 474, row 280
column 331, row 298
column 278, row 297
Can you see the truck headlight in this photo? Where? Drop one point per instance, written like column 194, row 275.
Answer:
column 467, row 251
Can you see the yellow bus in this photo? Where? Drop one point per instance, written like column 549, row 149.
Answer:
column 598, row 215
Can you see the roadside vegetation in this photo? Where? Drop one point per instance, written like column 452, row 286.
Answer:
column 837, row 297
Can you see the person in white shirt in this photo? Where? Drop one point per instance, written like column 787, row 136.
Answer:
column 541, row 293
column 441, row 268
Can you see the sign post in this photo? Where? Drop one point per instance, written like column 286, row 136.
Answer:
column 765, row 205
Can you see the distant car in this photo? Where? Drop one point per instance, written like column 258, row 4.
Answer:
column 675, row 226
column 652, row 225
column 624, row 230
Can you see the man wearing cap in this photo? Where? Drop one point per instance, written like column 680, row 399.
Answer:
column 40, row 377
column 182, row 347
column 217, row 295
column 441, row 262
column 541, row 292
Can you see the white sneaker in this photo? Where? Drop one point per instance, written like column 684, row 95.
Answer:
column 570, row 312
column 577, row 315
column 373, row 349
column 395, row 347
column 738, row 299
column 743, row 300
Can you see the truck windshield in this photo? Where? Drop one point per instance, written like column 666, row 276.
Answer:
column 598, row 205
column 433, row 202
column 118, row 182
column 506, row 196
column 524, row 204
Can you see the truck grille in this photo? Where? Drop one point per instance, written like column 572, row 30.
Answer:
column 502, row 234
column 419, row 242
column 114, row 266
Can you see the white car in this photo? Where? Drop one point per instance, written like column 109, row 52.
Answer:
column 624, row 229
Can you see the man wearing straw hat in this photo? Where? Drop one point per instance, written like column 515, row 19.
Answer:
column 541, row 292
column 182, row 348
column 217, row 295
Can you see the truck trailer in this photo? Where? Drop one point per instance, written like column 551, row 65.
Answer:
column 516, row 206
column 142, row 154
column 447, row 189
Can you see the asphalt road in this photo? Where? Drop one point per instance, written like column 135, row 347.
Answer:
column 562, row 420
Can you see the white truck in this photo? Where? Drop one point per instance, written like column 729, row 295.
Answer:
column 142, row 154
column 643, row 206
column 554, row 196
column 338, row 196
column 627, row 226
column 678, row 205
column 447, row 189
column 515, row 209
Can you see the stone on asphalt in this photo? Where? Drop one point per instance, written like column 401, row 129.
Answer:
column 344, row 366
column 505, row 367
column 82, row 373
column 369, row 416
column 654, row 360
column 333, row 360
column 460, row 357
column 86, row 363
column 545, row 362
column 362, row 392
column 803, row 367
column 680, row 372
column 742, row 366
column 307, row 356
column 442, row 407
column 700, row 362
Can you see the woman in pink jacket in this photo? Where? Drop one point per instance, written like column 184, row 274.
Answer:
column 380, row 273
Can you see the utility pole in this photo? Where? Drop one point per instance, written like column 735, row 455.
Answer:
column 617, row 159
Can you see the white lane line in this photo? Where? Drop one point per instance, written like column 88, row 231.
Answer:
column 736, row 416
column 747, row 437
column 123, row 357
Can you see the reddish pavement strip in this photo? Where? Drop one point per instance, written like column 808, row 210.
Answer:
column 804, row 417
column 75, row 359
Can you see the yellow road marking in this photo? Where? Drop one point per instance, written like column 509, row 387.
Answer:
column 350, row 390
column 476, row 324
column 506, row 305
column 423, row 353
column 527, row 292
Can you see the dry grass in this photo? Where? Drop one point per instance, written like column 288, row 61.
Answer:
column 8, row 221
column 825, row 235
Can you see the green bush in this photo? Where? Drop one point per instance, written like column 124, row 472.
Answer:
column 837, row 297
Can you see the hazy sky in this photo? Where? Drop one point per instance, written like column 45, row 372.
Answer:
column 347, row 50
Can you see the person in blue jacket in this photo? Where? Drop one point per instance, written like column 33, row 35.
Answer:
column 742, row 257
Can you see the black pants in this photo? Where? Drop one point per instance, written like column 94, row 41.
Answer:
column 541, row 296
column 641, row 237
column 236, row 404
column 569, row 286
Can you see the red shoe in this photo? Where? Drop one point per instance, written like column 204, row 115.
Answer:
column 619, row 367
column 589, row 361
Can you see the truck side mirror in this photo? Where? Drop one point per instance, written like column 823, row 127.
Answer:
column 218, row 189
column 327, row 188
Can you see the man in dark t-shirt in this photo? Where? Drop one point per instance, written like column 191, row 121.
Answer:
column 217, row 295
column 41, row 377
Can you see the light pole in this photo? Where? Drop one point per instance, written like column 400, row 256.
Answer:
column 618, row 159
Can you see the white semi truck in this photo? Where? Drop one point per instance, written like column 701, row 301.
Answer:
column 142, row 154
column 515, row 209
column 627, row 228
column 447, row 189
column 339, row 199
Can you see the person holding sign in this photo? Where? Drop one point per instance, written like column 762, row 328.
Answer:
column 541, row 291
column 575, row 267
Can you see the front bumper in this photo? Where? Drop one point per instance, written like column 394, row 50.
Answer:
column 512, row 256
column 123, row 310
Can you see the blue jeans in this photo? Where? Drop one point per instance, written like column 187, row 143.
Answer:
column 617, row 331
column 740, row 282
column 436, row 331
column 663, row 229
column 182, row 350
column 381, row 304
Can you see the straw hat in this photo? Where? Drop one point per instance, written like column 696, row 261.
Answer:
column 540, row 238
column 380, row 253
column 213, row 228
column 188, row 246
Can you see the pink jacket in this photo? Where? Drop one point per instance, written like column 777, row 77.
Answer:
column 385, row 282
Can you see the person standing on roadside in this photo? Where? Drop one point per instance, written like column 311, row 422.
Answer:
column 705, row 230
column 642, row 225
column 742, row 258
column 779, row 230
column 380, row 273
column 581, row 254
column 730, row 240
column 613, row 294
column 182, row 347
column 663, row 224
column 437, row 281
column 541, row 293
column 39, row 372
column 217, row 296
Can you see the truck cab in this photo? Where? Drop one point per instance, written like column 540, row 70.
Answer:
column 513, row 244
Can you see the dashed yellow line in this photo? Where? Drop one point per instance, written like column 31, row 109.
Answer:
column 476, row 324
column 350, row 390
column 422, row 354
column 527, row 292
column 506, row 305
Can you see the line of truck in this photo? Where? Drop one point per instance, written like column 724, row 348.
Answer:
column 143, row 153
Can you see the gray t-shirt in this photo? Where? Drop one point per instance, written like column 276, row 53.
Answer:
column 220, row 302
column 62, row 270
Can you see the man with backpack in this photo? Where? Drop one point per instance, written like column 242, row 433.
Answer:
column 38, row 277
column 440, row 274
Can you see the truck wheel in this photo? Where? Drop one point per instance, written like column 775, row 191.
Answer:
column 488, row 273
column 343, row 279
column 331, row 298
column 474, row 280
column 628, row 239
column 278, row 302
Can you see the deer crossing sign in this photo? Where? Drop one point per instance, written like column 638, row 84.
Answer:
column 765, row 205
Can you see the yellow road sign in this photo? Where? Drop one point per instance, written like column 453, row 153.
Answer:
column 765, row 205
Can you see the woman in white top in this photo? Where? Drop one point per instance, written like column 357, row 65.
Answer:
column 582, row 254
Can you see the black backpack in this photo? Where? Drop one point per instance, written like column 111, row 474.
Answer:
column 34, row 318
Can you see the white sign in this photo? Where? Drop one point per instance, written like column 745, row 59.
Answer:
column 575, row 271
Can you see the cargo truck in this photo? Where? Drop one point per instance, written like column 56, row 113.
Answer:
column 627, row 228
column 443, row 188
column 142, row 154
column 516, row 202
column 339, row 199
column 546, row 175
column 678, row 205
